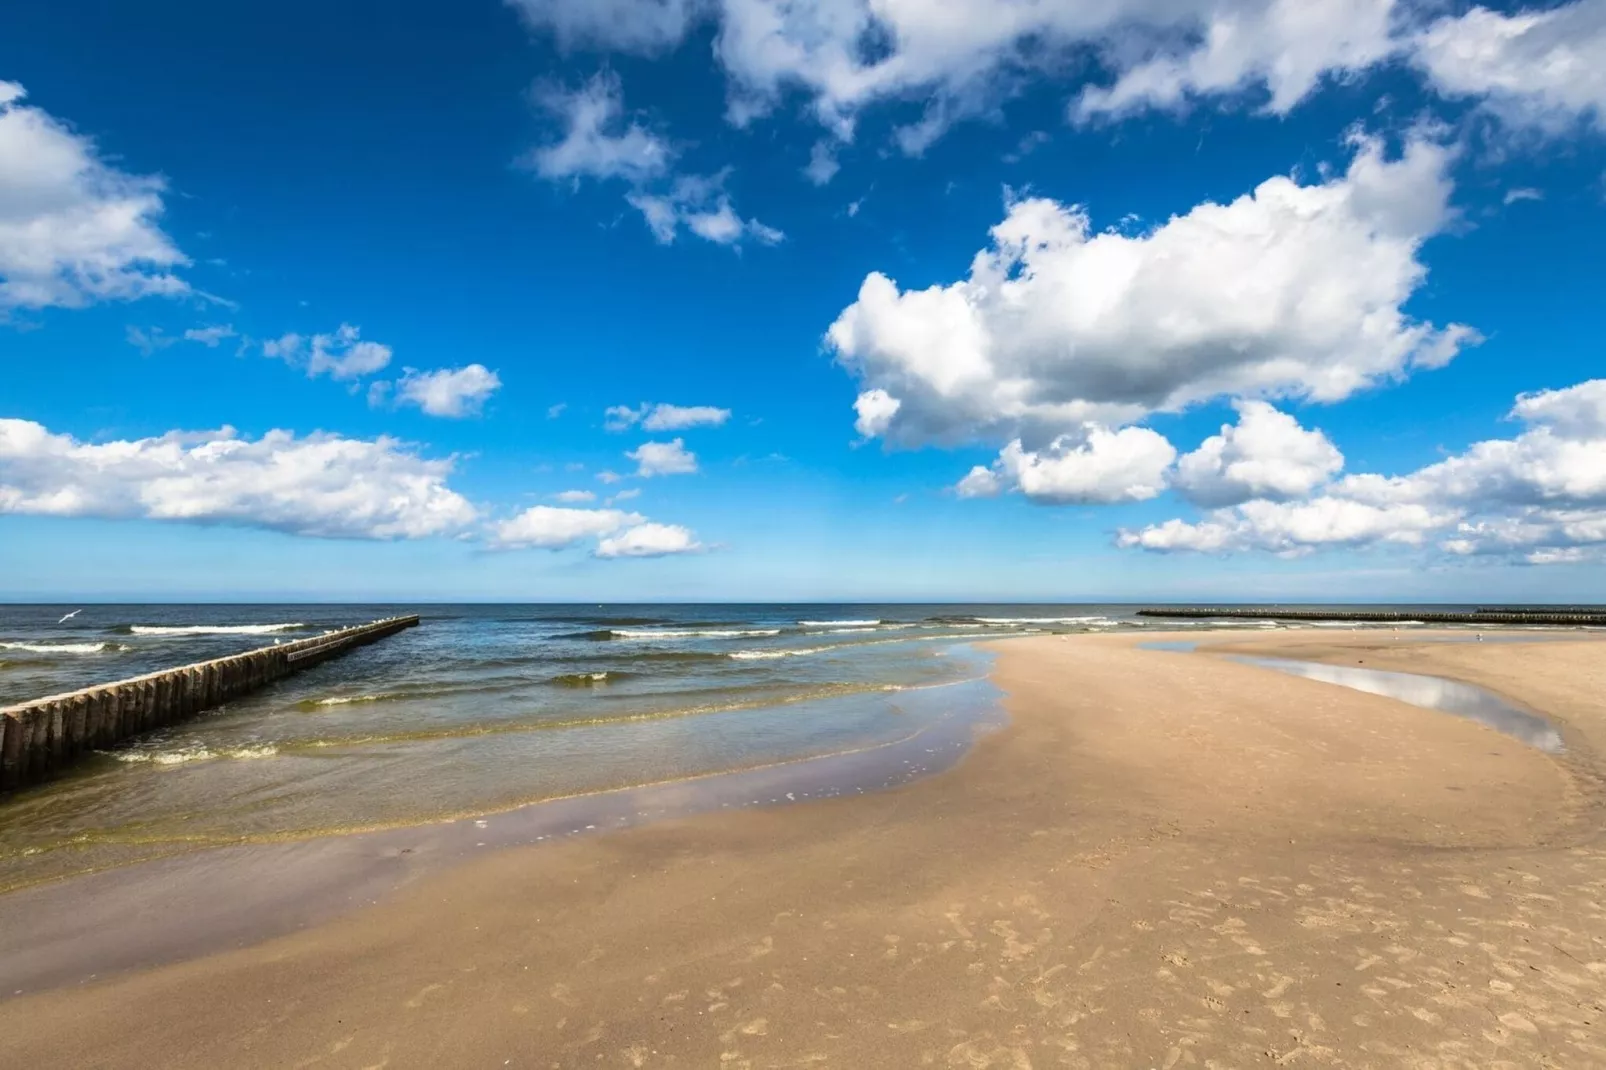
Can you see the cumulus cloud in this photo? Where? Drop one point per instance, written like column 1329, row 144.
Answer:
column 597, row 142
column 321, row 484
column 619, row 534
column 1540, row 495
column 1266, row 454
column 550, row 527
column 664, row 417
column 74, row 230
column 670, row 458
column 452, row 392
column 1539, row 67
column 649, row 540
column 1293, row 290
column 342, row 354
column 574, row 497
column 1094, row 465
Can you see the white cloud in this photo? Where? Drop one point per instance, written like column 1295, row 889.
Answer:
column 341, row 355
column 663, row 417
column 1545, row 68
column 148, row 341
column 1285, row 46
column 670, row 458
column 822, row 165
column 596, row 142
column 649, row 540
column 963, row 56
column 1540, row 496
column 623, row 417
column 550, row 527
column 73, row 229
column 875, row 410
column 641, row 26
column 286, row 347
column 621, row 534
column 1292, row 290
column 698, row 203
column 210, row 336
column 320, row 484
column 1522, row 194
column 628, row 494
column 1094, row 465
column 1265, row 455
column 1577, row 412
column 453, row 392
column 575, row 497
column 554, row 411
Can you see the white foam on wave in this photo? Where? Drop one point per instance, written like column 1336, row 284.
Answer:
column 194, row 754
column 213, row 629
column 347, row 700
column 767, row 655
column 694, row 633
column 837, row 623
column 1012, row 622
column 62, row 648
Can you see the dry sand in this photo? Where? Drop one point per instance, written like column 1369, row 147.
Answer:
column 1166, row 860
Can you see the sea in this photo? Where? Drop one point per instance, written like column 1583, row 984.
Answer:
column 481, row 709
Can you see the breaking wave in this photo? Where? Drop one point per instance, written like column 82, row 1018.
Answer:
column 766, row 655
column 213, row 629
column 64, row 648
column 184, row 755
column 693, row 633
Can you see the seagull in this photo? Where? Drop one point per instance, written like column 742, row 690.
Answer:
column 69, row 616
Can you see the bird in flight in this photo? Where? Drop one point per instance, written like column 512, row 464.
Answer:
column 69, row 616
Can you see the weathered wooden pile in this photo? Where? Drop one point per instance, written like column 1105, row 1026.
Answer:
column 42, row 737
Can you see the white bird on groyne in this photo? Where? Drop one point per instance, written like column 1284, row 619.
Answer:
column 69, row 616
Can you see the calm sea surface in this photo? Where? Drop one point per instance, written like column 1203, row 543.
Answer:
column 482, row 708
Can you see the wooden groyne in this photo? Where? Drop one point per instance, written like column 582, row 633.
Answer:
column 42, row 737
column 1570, row 617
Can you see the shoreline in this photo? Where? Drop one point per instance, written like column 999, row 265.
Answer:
column 241, row 894
column 1123, row 787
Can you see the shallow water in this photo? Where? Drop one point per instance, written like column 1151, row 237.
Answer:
column 202, row 902
column 480, row 709
column 1429, row 692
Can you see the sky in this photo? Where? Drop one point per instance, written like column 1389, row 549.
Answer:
column 737, row 300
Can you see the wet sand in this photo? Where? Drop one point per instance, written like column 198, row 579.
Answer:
column 1165, row 860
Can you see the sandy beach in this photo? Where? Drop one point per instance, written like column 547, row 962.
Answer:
column 1166, row 859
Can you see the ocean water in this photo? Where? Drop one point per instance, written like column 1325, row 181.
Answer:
column 482, row 708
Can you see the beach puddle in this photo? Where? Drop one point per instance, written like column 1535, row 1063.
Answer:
column 195, row 904
column 1428, row 692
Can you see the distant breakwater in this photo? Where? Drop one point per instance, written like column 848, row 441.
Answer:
column 1573, row 618
column 40, row 738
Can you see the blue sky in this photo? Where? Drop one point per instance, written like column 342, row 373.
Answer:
column 968, row 300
